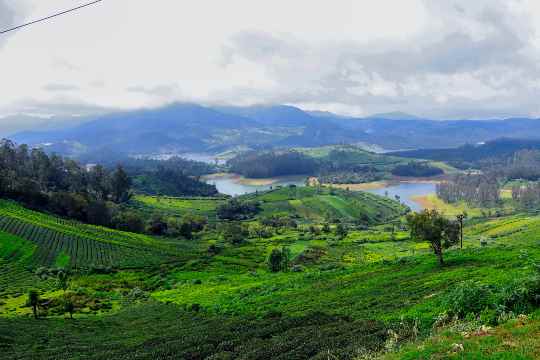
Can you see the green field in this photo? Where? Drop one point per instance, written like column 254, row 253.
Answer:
column 177, row 206
column 172, row 298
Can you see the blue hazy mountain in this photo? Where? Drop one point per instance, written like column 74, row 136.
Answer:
column 196, row 128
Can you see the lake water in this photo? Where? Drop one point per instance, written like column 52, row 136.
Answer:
column 234, row 185
column 406, row 191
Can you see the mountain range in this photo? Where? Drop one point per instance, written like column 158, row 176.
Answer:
column 181, row 128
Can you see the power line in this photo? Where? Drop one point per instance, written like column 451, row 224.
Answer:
column 50, row 17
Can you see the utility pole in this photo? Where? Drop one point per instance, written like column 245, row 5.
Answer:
column 460, row 218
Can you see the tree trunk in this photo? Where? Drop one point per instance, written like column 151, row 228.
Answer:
column 439, row 255
column 34, row 308
column 437, row 249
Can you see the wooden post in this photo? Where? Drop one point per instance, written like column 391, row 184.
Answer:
column 460, row 218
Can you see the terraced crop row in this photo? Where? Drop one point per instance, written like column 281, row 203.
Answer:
column 85, row 245
column 15, row 279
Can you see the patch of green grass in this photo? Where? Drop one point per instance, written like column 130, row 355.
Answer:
column 178, row 206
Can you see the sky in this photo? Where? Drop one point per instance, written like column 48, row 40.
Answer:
column 440, row 59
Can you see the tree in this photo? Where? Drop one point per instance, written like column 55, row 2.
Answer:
column 120, row 184
column 326, row 228
column 158, row 226
column 429, row 226
column 341, row 231
column 129, row 221
column 33, row 300
column 279, row 259
column 69, row 307
column 62, row 280
column 234, row 232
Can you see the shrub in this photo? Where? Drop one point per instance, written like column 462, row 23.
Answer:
column 468, row 297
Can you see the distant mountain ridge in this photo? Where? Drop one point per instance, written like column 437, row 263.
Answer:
column 184, row 127
column 470, row 155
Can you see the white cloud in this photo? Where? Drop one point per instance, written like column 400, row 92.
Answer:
column 439, row 58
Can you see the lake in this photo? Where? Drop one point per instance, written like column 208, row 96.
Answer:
column 406, row 191
column 232, row 184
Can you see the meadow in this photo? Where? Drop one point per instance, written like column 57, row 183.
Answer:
column 343, row 297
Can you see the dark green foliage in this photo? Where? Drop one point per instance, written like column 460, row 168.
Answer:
column 69, row 307
column 416, row 169
column 129, row 221
column 33, row 301
column 120, row 185
column 278, row 221
column 235, row 209
column 271, row 164
column 234, row 232
column 187, row 225
column 170, row 181
column 158, row 225
column 279, row 260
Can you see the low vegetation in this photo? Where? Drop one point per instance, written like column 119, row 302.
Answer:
column 294, row 272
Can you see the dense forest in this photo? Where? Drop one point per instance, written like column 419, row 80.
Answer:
column 270, row 164
column 95, row 194
column 173, row 177
column 61, row 186
column 341, row 165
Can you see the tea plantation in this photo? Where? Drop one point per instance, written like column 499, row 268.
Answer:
column 372, row 292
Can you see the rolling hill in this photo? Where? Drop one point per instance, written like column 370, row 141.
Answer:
column 316, row 205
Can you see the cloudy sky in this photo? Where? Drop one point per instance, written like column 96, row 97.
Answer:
column 432, row 58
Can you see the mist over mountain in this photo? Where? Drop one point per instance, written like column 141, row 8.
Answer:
column 181, row 128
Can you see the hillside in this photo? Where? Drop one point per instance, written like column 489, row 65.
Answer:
column 473, row 155
column 323, row 204
column 229, row 306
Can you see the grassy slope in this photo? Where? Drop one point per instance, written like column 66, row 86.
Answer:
column 319, row 204
column 178, row 206
column 517, row 339
column 366, row 276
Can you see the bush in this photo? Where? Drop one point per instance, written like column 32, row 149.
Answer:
column 468, row 297
column 488, row 303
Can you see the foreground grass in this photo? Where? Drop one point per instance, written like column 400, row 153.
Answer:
column 229, row 306
column 517, row 339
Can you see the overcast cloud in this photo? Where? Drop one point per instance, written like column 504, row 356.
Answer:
column 432, row 58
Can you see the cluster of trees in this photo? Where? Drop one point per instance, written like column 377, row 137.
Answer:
column 527, row 195
column 171, row 181
column 61, row 186
column 524, row 164
column 367, row 174
column 279, row 221
column 235, row 209
column 273, row 163
column 416, row 169
column 185, row 226
column 479, row 189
